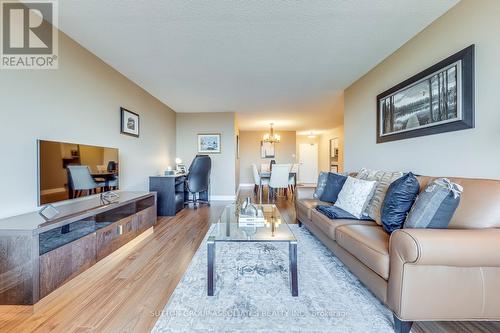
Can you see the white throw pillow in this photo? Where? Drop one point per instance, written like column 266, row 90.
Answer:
column 355, row 195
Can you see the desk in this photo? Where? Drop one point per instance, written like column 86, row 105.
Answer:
column 171, row 193
column 267, row 175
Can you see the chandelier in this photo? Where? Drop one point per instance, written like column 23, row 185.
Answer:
column 271, row 137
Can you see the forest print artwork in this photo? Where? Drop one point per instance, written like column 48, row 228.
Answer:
column 428, row 102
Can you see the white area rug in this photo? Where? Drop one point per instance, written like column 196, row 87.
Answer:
column 252, row 293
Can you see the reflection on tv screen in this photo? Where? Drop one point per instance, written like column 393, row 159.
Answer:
column 68, row 170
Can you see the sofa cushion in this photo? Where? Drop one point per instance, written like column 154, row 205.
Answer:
column 333, row 212
column 304, row 206
column 333, row 186
column 478, row 207
column 435, row 205
column 320, row 187
column 329, row 226
column 368, row 243
column 355, row 195
column 383, row 179
column 400, row 196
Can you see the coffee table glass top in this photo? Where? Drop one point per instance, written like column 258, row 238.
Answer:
column 227, row 228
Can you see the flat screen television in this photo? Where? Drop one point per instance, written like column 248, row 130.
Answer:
column 72, row 170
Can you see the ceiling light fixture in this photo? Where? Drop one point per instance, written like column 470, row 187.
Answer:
column 271, row 137
column 311, row 135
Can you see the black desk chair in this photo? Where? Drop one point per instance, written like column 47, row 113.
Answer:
column 198, row 180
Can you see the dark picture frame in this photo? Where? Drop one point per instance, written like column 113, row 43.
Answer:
column 449, row 106
column 237, row 147
column 129, row 123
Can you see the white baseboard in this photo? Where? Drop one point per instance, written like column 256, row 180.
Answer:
column 247, row 184
column 222, row 198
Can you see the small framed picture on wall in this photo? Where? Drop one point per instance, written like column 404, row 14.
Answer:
column 209, row 143
column 267, row 150
column 129, row 122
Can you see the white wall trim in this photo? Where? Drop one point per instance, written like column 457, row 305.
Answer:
column 222, row 198
column 247, row 184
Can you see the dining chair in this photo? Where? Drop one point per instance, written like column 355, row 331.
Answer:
column 279, row 178
column 80, row 179
column 257, row 180
column 113, row 182
column 271, row 165
column 292, row 179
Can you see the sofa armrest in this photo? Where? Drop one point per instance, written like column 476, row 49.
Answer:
column 304, row 192
column 461, row 248
column 444, row 274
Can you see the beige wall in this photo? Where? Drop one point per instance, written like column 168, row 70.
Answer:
column 79, row 102
column 91, row 156
column 471, row 153
column 52, row 173
column 223, row 175
column 324, row 148
column 250, row 151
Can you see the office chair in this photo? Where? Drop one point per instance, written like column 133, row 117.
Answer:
column 112, row 166
column 198, row 180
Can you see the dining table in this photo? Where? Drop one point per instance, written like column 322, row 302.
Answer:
column 267, row 175
column 105, row 177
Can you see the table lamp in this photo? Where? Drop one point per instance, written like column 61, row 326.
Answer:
column 177, row 162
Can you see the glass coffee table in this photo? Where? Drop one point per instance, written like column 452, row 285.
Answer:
column 227, row 229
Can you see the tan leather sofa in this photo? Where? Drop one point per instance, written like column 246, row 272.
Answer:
column 423, row 274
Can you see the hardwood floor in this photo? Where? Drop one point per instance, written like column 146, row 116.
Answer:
column 125, row 291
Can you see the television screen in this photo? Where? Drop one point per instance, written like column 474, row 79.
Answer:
column 71, row 170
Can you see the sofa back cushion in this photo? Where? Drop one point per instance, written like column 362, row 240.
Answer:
column 479, row 205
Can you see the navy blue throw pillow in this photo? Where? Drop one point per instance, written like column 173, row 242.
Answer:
column 334, row 212
column 398, row 201
column 334, row 184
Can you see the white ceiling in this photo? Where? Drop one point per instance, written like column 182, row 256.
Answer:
column 281, row 61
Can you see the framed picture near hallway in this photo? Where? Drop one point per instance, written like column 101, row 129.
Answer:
column 267, row 150
column 237, row 146
column 209, row 143
column 439, row 99
column 129, row 122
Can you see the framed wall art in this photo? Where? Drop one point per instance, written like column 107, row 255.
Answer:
column 129, row 122
column 439, row 99
column 209, row 143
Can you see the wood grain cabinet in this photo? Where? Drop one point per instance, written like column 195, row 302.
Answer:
column 144, row 219
column 38, row 259
column 114, row 236
column 64, row 263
